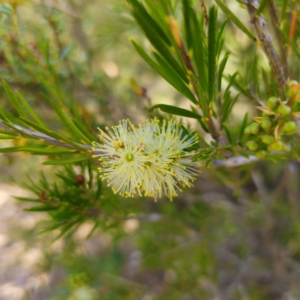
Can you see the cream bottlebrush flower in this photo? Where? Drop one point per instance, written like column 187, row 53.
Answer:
column 149, row 160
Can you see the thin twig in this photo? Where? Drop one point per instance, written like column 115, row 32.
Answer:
column 267, row 45
column 235, row 161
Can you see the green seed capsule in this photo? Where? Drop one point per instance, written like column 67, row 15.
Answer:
column 266, row 123
column 292, row 82
column 268, row 139
column 247, row 130
column 276, row 146
column 290, row 128
column 261, row 154
column 254, row 128
column 252, row 145
column 284, row 110
column 272, row 102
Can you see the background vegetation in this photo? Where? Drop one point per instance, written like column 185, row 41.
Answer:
column 69, row 67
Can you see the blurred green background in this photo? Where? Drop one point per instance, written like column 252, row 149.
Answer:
column 235, row 235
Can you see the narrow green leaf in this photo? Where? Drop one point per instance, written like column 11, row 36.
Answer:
column 83, row 129
column 43, row 181
column 228, row 134
column 200, row 121
column 225, row 104
column 42, row 208
column 164, row 51
column 51, row 227
column 68, row 160
column 221, row 70
column 173, row 79
column 67, row 227
column 6, row 132
column 199, row 42
column 6, row 137
column 158, row 39
column 173, row 110
column 219, row 39
column 32, row 186
column 199, row 53
column 177, row 82
column 27, row 199
column 239, row 86
column 69, row 123
column 96, row 225
column 99, row 188
column 13, row 99
column 186, row 9
column 266, row 81
column 212, row 53
column 243, row 126
column 51, row 133
column 91, row 174
column 10, row 149
column 203, row 101
column 141, row 14
column 283, row 10
column 47, row 151
column 29, row 110
column 237, row 21
column 220, row 46
column 3, row 114
column 231, row 82
column 228, row 105
column 291, row 43
column 158, row 12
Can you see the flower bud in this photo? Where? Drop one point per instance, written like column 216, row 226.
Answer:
column 276, row 146
column 284, row 110
column 247, row 130
column 272, row 102
column 292, row 82
column 294, row 93
column 267, row 139
column 254, row 128
column 266, row 123
column 252, row 145
column 261, row 154
column 289, row 128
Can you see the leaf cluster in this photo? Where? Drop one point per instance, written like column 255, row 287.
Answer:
column 71, row 198
column 187, row 54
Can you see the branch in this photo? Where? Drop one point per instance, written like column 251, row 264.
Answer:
column 228, row 163
column 50, row 140
column 266, row 41
column 276, row 24
column 235, row 161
